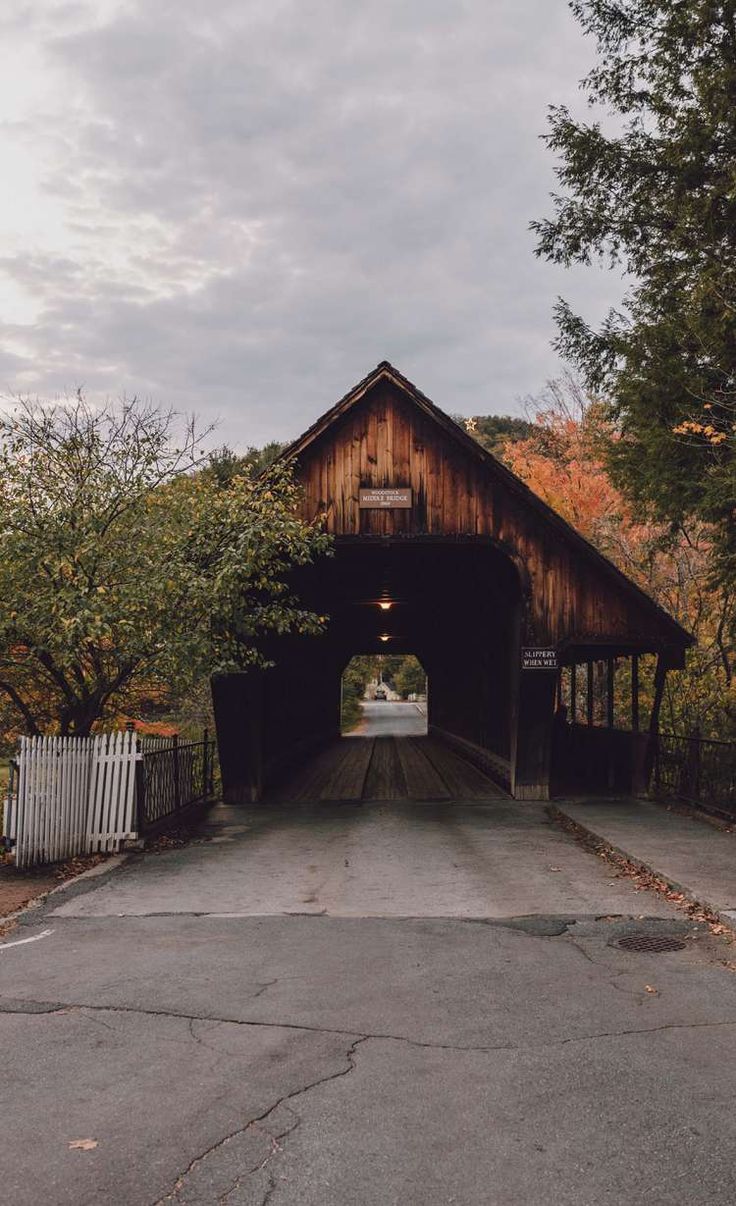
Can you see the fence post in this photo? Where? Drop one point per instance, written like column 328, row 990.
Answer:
column 654, row 745
column 10, row 808
column 205, row 760
column 140, row 791
column 695, row 761
column 140, row 783
column 177, row 772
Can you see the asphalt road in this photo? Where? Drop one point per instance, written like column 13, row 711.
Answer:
column 392, row 719
column 370, row 1005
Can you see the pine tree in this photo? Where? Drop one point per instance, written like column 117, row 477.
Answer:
column 657, row 196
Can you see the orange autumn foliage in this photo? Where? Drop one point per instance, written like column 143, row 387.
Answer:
column 564, row 462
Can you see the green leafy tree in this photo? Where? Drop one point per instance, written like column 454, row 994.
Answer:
column 656, row 194
column 122, row 565
column 356, row 676
column 387, row 665
column 409, row 678
column 224, row 465
column 494, row 432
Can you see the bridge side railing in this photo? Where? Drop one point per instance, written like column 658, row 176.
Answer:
column 696, row 770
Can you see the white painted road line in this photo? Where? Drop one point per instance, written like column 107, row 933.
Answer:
column 22, row 941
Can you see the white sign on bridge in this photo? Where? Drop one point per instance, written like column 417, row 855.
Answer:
column 398, row 497
column 538, row 658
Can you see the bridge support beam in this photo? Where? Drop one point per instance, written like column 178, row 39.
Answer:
column 238, row 706
column 532, row 736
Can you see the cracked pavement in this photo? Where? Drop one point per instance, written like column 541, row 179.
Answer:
column 224, row 1042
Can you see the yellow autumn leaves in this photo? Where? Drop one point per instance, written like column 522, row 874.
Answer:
column 707, row 430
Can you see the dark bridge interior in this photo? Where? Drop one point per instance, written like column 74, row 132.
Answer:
column 453, row 603
column 359, row 769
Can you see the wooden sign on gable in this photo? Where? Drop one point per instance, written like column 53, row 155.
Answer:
column 395, row 497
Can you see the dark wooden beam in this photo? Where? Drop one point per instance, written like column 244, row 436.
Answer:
column 589, row 699
column 611, row 719
column 660, row 676
column 238, row 706
column 532, row 737
column 573, row 693
column 635, row 692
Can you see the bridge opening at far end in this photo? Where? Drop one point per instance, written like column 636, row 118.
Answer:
column 383, row 695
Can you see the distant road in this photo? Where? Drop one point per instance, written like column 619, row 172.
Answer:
column 393, row 720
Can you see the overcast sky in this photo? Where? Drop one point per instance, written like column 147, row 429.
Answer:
column 240, row 207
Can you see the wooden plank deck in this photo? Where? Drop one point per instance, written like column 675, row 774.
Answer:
column 420, row 774
column 385, row 778
column 388, row 768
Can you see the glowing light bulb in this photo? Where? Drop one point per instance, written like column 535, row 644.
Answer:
column 385, row 606
column 384, row 637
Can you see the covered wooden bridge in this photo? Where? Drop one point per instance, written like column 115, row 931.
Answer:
column 532, row 640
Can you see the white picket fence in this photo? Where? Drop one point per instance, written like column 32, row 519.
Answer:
column 75, row 795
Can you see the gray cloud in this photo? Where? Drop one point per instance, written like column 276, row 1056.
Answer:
column 300, row 191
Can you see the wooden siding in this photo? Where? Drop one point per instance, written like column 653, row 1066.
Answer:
column 386, row 440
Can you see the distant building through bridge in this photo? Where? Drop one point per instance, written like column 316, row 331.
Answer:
column 527, row 632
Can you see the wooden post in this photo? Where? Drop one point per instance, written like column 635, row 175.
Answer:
column 610, row 720
column 238, row 705
column 660, row 675
column 573, row 693
column 610, row 688
column 589, row 699
column 639, row 743
column 532, row 738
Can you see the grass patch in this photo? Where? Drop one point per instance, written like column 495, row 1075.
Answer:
column 352, row 714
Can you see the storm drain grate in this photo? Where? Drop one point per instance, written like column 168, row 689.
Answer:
column 655, row 944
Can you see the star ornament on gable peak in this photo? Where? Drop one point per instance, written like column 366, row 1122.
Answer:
column 471, row 425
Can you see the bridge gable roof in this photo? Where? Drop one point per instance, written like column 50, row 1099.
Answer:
column 545, row 518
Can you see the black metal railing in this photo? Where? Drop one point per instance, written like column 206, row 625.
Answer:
column 173, row 774
column 696, row 770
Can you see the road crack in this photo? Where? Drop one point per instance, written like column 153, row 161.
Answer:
column 584, row 1038
column 256, row 1123
column 33, row 1008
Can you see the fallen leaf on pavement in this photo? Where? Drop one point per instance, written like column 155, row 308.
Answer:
column 650, row 989
column 82, row 1145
